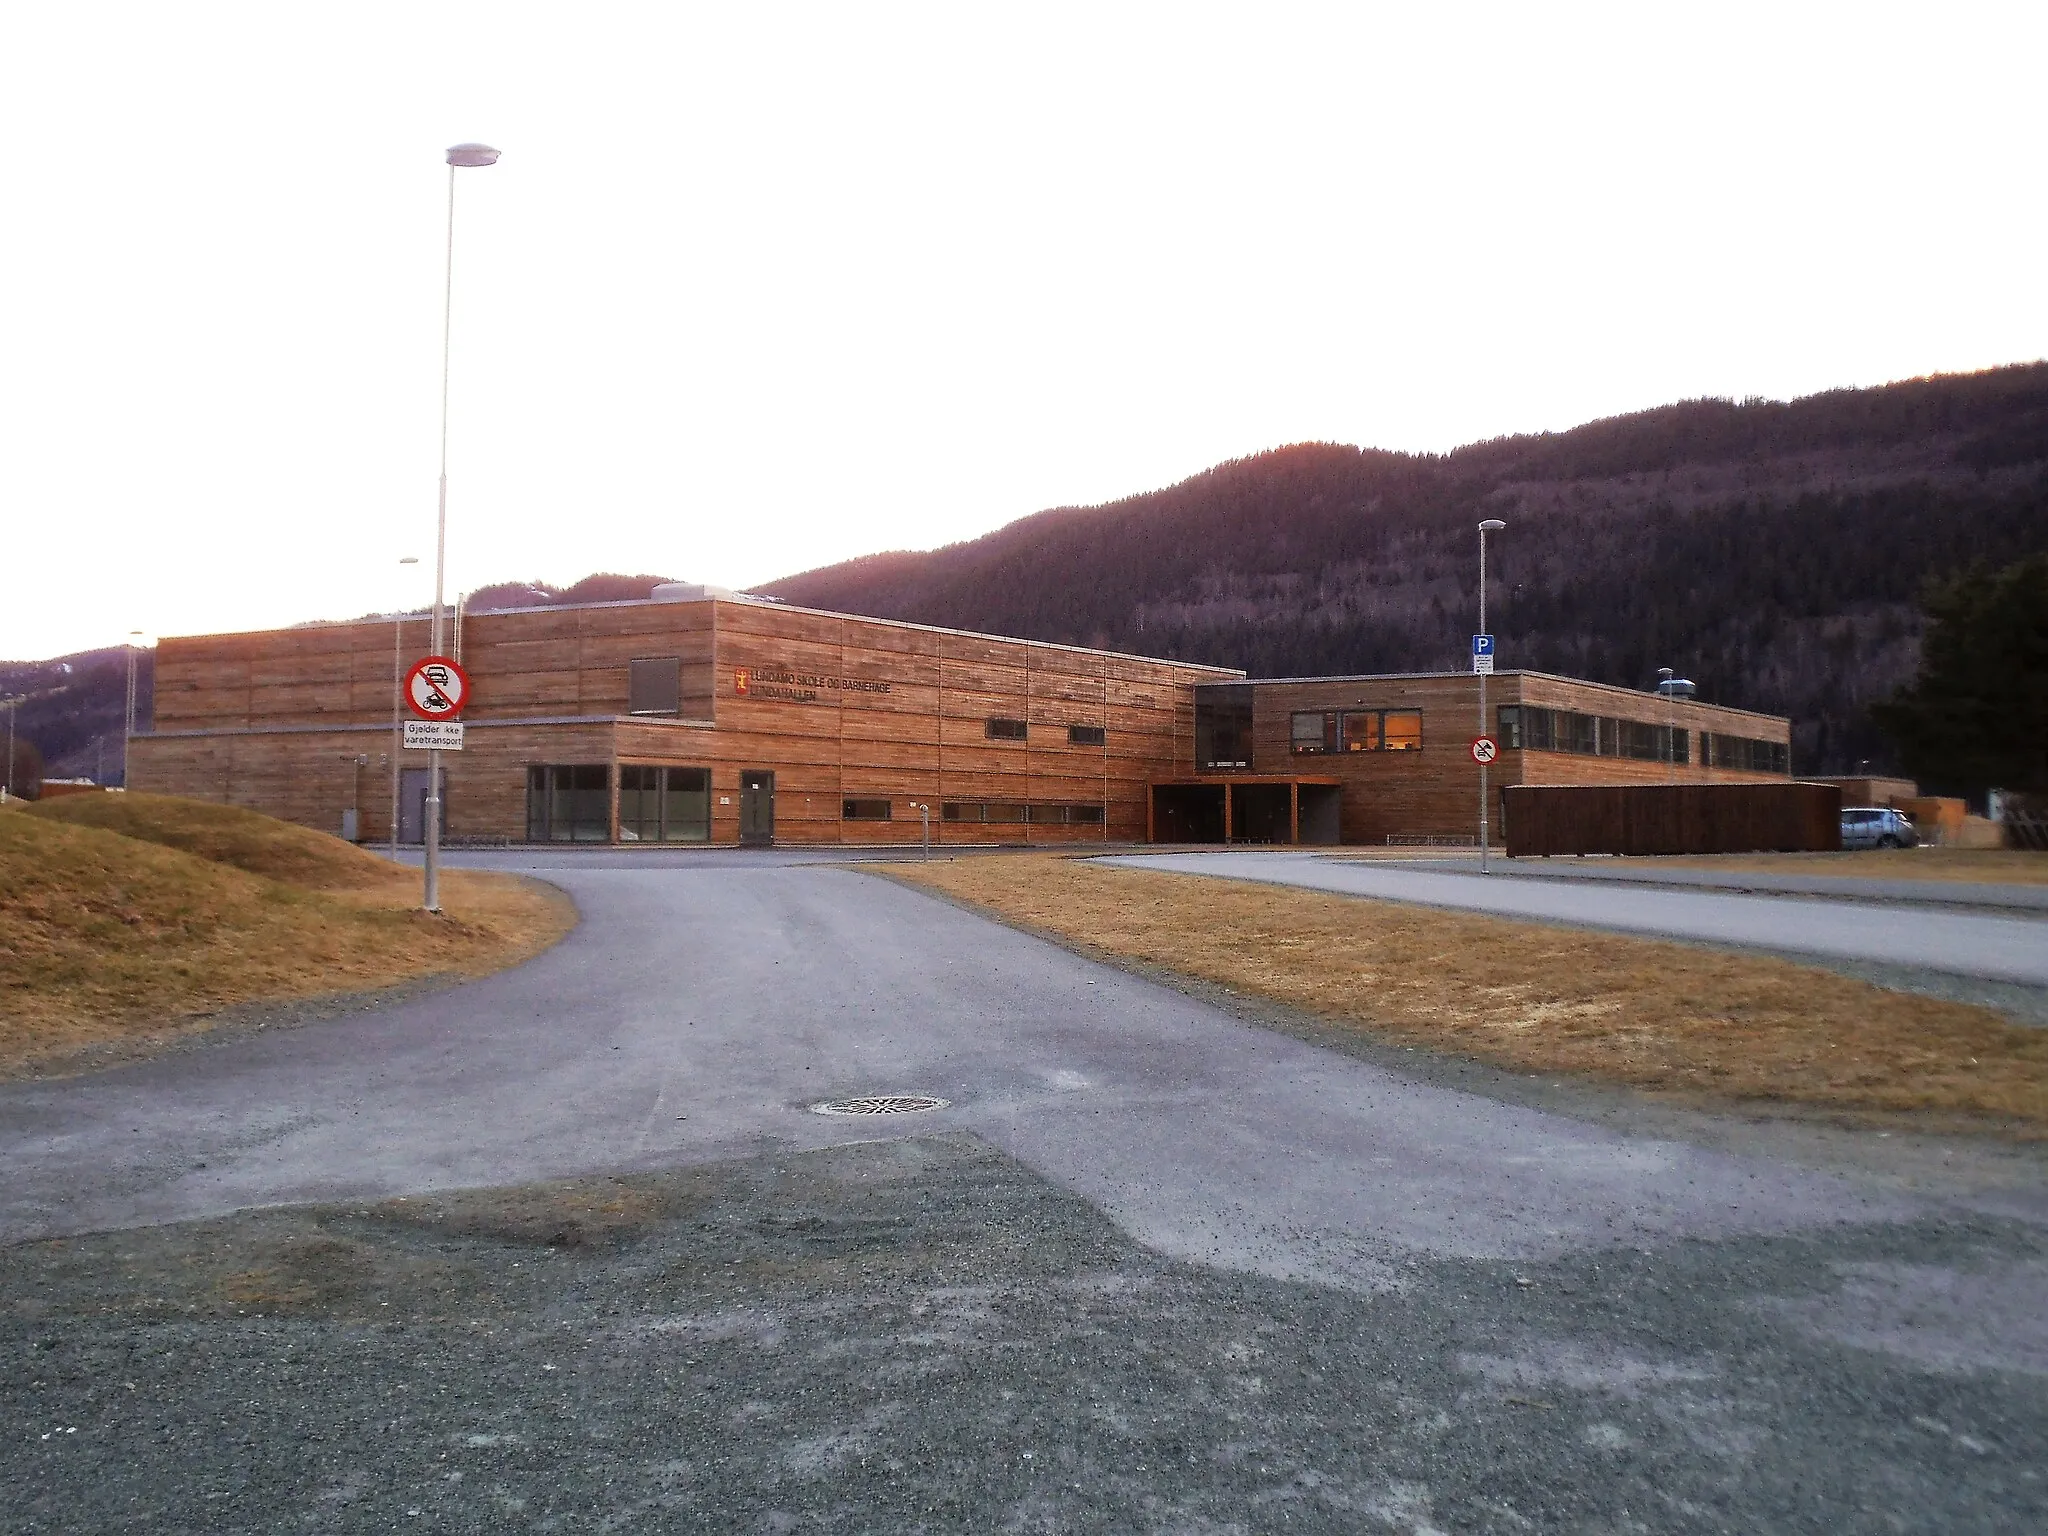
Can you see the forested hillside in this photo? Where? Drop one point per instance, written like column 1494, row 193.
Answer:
column 1771, row 551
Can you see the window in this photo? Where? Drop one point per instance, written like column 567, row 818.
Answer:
column 1509, row 730
column 1086, row 815
column 1003, row 813
column 1086, row 736
column 1362, row 730
column 958, row 810
column 1007, row 730
column 664, row 805
column 654, row 686
column 1223, row 727
column 1313, row 731
column 864, row 810
column 1034, row 815
column 568, row 803
column 1401, row 731
column 1741, row 752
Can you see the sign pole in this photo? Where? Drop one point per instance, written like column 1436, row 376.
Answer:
column 1482, row 663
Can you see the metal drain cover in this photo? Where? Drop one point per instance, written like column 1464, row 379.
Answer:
column 880, row 1104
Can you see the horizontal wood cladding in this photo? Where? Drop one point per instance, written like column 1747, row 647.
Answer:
column 1434, row 792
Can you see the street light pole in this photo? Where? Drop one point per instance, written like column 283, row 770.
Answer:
column 1491, row 525
column 11, row 704
column 128, row 718
column 461, row 155
column 397, row 729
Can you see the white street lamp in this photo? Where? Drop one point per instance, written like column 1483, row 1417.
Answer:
column 459, row 157
column 397, row 696
column 1491, row 525
column 128, row 718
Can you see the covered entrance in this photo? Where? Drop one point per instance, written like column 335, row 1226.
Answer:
column 1244, row 809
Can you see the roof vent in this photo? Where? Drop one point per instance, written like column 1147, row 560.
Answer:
column 689, row 592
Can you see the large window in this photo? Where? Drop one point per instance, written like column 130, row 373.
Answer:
column 981, row 812
column 1313, row 731
column 1718, row 751
column 864, row 810
column 1356, row 730
column 1223, row 727
column 1085, row 736
column 664, row 805
column 568, row 803
column 1526, row 727
column 1000, row 729
column 655, row 686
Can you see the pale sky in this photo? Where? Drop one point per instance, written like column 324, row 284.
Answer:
column 759, row 288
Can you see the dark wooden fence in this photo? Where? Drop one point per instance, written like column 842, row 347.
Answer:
column 1671, row 818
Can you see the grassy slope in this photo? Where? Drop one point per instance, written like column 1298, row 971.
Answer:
column 1668, row 1017
column 109, row 937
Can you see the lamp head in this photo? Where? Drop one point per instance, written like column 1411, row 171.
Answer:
column 1492, row 525
column 408, row 559
column 472, row 155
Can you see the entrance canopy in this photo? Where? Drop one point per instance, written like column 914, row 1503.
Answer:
column 1244, row 808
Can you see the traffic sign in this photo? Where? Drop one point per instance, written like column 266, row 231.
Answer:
column 437, row 688
column 1484, row 750
column 1482, row 653
column 434, row 735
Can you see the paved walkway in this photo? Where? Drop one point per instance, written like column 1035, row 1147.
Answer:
column 1993, row 948
column 1934, row 893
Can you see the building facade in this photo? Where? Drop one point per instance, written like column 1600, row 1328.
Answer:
column 701, row 721
column 725, row 720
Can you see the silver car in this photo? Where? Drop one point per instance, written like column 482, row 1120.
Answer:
column 1877, row 827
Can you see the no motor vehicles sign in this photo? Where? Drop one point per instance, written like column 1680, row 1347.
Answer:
column 436, row 688
column 1484, row 750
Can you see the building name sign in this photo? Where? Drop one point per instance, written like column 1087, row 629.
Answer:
column 797, row 687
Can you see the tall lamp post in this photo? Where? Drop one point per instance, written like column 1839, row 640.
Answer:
column 460, row 157
column 11, row 704
column 1491, row 525
column 397, row 695
column 128, row 718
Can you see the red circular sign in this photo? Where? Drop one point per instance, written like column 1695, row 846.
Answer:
column 1484, row 750
column 436, row 688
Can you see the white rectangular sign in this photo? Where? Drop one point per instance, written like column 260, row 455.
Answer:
column 434, row 735
column 1482, row 663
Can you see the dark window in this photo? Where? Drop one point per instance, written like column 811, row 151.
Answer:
column 664, row 805
column 568, row 803
column 1223, row 727
column 1509, row 731
column 1007, row 730
column 1578, row 733
column 1090, row 815
column 1085, row 736
column 1742, row 752
column 1003, row 813
column 1313, row 731
column 655, row 686
column 961, row 810
column 864, row 810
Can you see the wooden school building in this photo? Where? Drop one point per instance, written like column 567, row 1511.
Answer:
column 704, row 717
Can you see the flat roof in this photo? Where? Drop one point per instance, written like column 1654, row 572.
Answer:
column 1232, row 674
column 1551, row 677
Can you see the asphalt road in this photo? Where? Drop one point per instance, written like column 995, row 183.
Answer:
column 1206, row 1276
column 2012, row 949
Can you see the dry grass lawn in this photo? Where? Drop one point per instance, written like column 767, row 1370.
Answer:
column 1664, row 1017
column 130, row 918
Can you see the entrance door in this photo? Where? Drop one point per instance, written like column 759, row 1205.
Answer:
column 412, row 805
column 757, row 809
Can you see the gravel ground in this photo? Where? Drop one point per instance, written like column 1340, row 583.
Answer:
column 923, row 1335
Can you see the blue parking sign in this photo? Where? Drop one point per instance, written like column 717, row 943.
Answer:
column 1482, row 645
